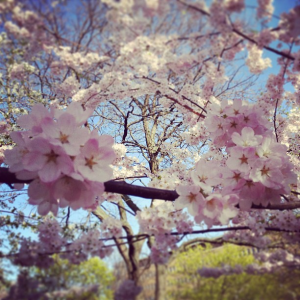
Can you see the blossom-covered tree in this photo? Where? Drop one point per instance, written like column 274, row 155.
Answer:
column 97, row 95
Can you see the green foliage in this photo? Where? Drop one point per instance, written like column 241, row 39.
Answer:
column 279, row 285
column 62, row 275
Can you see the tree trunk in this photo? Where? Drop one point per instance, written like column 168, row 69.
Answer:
column 160, row 282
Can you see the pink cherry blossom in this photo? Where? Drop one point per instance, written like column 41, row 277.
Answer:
column 233, row 180
column 213, row 206
column 255, row 62
column 40, row 194
column 48, row 160
column 65, row 133
column 267, row 171
column 207, row 174
column 229, row 210
column 249, row 193
column 111, row 227
column 190, row 197
column 94, row 159
column 14, row 157
column 32, row 121
column 241, row 158
column 77, row 193
column 269, row 148
column 52, row 149
column 247, row 138
column 77, row 110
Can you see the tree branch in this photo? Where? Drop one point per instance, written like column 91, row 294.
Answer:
column 239, row 32
column 121, row 187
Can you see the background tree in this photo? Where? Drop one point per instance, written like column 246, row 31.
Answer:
column 245, row 285
column 90, row 279
column 64, row 275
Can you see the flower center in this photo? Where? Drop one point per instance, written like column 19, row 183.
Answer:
column 243, row 159
column 192, row 197
column 63, row 138
column 51, row 157
column 264, row 171
column 90, row 162
column 237, row 176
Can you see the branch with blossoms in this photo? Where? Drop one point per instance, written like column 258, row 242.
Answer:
column 51, row 241
column 124, row 188
column 68, row 166
column 222, row 11
column 176, row 101
column 161, row 89
column 48, row 227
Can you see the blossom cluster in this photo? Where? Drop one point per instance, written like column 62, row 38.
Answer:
column 159, row 221
column 162, row 218
column 256, row 168
column 111, row 227
column 27, row 26
column 68, row 88
column 51, row 240
column 290, row 25
column 259, row 220
column 265, row 9
column 213, row 209
column 77, row 61
column 255, row 62
column 257, row 165
column 248, row 237
column 234, row 5
column 88, row 244
column 67, row 163
column 19, row 71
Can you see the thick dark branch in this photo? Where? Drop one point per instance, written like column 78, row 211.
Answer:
column 10, row 178
column 121, row 187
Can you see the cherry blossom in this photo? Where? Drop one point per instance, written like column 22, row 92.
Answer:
column 111, row 227
column 190, row 197
column 255, row 62
column 94, row 159
column 32, row 122
column 68, row 162
column 64, row 133
column 240, row 158
column 189, row 121
column 49, row 161
column 247, row 138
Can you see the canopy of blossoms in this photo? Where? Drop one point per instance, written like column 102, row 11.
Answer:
column 151, row 90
